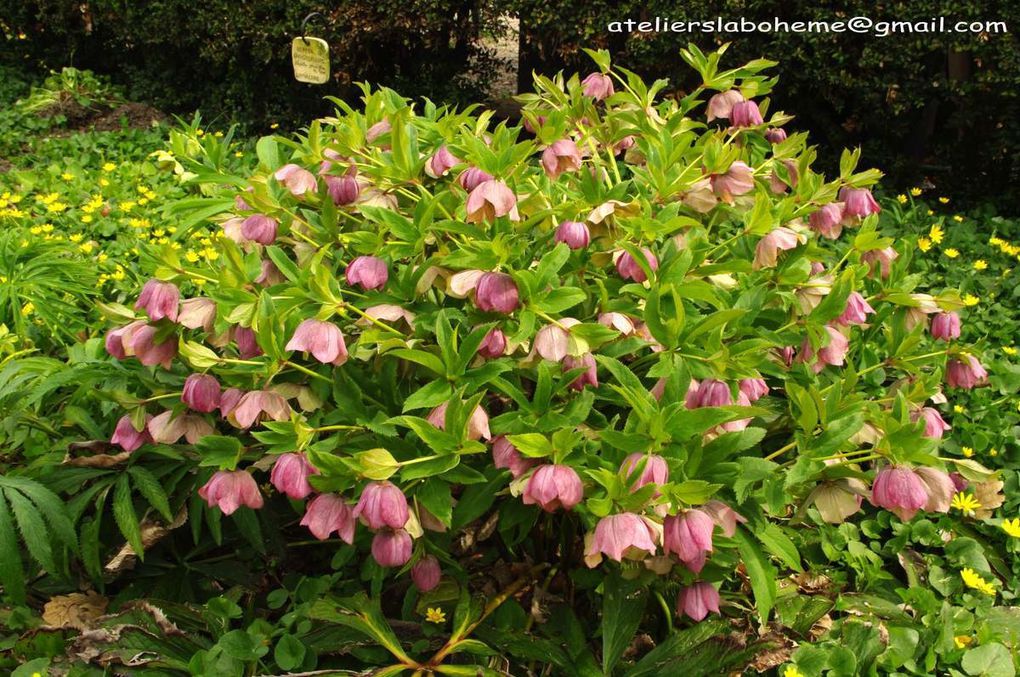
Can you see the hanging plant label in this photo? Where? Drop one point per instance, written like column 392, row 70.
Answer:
column 310, row 57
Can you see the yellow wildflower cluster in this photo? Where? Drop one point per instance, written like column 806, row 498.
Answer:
column 972, row 579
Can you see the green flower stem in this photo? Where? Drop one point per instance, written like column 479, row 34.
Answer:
column 327, row 428
column 306, row 370
column 667, row 612
column 156, row 398
column 381, row 325
column 781, row 451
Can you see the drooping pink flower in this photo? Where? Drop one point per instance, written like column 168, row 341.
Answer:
column 159, row 299
column 775, row 135
column 858, row 202
column 754, row 388
column 382, row 504
column 900, row 491
column 737, row 180
column 297, row 180
column 832, row 353
column 328, row 513
column 780, row 239
column 391, row 548
column 856, row 311
column 259, row 228
column 493, row 345
column 828, row 220
column 472, row 177
column 343, row 190
column 836, row 501
column 689, row 536
column 478, row 424
column 940, row 488
column 629, row 269
column 247, row 343
column 378, row 129
column 114, row 340
column 883, row 257
column 441, row 162
column 165, row 428
column 778, row 184
column 934, row 425
column 945, row 326
column 709, row 393
column 201, row 392
column 552, row 487
column 588, row 377
column 745, row 114
column 697, row 600
column 552, row 342
column 229, row 400
column 966, row 373
column 496, row 293
column 617, row 321
column 129, row 439
column 574, row 234
column 230, row 489
column 617, row 536
column 240, row 204
column 150, row 352
column 290, row 475
column 368, row 272
column 562, row 156
column 426, row 573
column 490, row 200
column 598, row 86
column 258, row 404
column 655, row 471
column 197, row 313
column 724, row 517
column 323, row 340
column 269, row 274
column 505, row 455
column 721, row 104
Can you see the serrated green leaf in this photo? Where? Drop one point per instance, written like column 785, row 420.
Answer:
column 125, row 517
column 149, row 487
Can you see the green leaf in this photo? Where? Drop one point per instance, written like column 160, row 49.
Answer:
column 779, row 544
column 12, row 572
column 434, row 496
column 431, row 395
column 623, row 605
column 53, row 509
column 283, row 263
column 149, row 487
column 125, row 516
column 761, row 573
column 363, row 614
column 33, row 530
column 289, row 652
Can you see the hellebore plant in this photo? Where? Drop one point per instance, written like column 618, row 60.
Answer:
column 615, row 332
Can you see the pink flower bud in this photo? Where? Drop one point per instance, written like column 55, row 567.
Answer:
column 343, row 190
column 259, row 228
column 656, row 470
column 368, row 272
column 490, row 200
column 562, row 156
column 127, row 437
column 745, row 114
column 738, row 180
column 618, row 536
column 598, row 86
column 201, row 392
column 426, row 573
column 391, row 548
column 721, row 104
column 552, row 487
column 900, row 491
column 151, row 353
column 828, row 220
column 197, row 313
column 710, row 393
column 966, row 374
column 296, row 179
column 629, row 269
column 269, row 274
column 856, row 311
column 780, row 239
column 884, row 258
column 689, row 535
column 240, row 204
column 940, row 489
column 496, row 293
column 382, row 504
column 478, row 424
column 775, row 135
column 945, row 326
column 754, row 388
column 574, row 234
column 290, row 475
column 697, row 600
column 257, row 405
column 441, row 162
column 328, row 513
column 493, row 345
column 589, row 377
column 322, row 339
column 114, row 343
column 229, row 490
column 247, row 343
column 472, row 177
column 378, row 129
column 505, row 455
column 934, row 426
column 858, row 202
column 159, row 299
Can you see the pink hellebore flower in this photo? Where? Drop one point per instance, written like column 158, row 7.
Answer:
column 833, row 353
column 322, row 339
column 490, row 200
column 441, row 162
column 426, row 573
column 709, row 393
column 290, row 475
column 247, row 343
column 259, row 228
column 377, row 130
column 197, row 313
column 966, row 374
column 859, row 202
column 589, row 377
column 368, row 272
column 900, row 491
column 297, row 180
column 343, row 190
column 382, row 504
column 562, row 156
column 327, row 513
column 159, row 299
column 745, row 114
column 721, row 104
column 599, row 86
column 493, row 345
column 738, row 180
column 940, row 487
column 151, row 353
column 229, row 490
column 656, row 470
column 552, row 487
column 166, row 428
column 257, row 404
column 856, row 312
column 472, row 177
column 884, row 258
column 496, row 293
column 689, row 535
column 934, row 425
column 391, row 548
column 201, row 392
column 505, row 455
column 269, row 274
column 945, row 326
column 828, row 220
column 478, row 424
column 574, row 234
column 118, row 339
column 617, row 321
column 629, row 269
column 229, row 400
column 724, row 517
column 552, row 341
column 754, row 388
column 775, row 135
column 622, row 535
column 127, row 437
column 697, row 600
column 766, row 254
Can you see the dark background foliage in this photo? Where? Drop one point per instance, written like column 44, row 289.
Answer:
column 942, row 107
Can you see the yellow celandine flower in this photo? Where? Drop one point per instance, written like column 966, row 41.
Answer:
column 27, row 309
column 902, row 199
column 103, row 256
column 67, row 177
column 238, row 154
column 1012, row 527
column 191, row 256
column 958, row 218
column 967, row 451
column 109, row 167
column 159, row 232
column 972, row 579
column 930, row 213
column 963, row 641
column 171, row 229
column 951, row 253
column 1009, row 350
column 86, row 218
column 143, row 200
column 980, row 264
column 199, row 132
column 76, row 237
column 970, row 300
column 127, row 206
column 965, row 503
column 434, row 615
column 275, row 125
column 47, row 227
column 993, row 452
column 959, row 408
column 56, row 207
column 996, row 241
column 936, row 234
column 86, row 248
column 104, row 183
column 199, row 282
column 915, row 191
column 923, row 243
column 793, row 671
column 944, row 200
